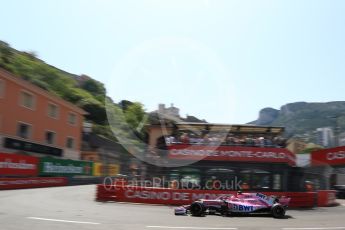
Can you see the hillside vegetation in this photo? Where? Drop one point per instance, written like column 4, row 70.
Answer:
column 302, row 118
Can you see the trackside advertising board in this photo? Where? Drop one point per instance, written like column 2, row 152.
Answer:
column 60, row 167
column 231, row 153
column 332, row 156
column 31, row 182
column 18, row 165
column 97, row 169
column 113, row 169
column 100, row 169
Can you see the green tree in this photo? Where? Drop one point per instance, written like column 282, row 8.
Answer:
column 94, row 87
column 135, row 115
column 5, row 53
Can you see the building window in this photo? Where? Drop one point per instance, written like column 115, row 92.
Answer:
column 23, row 130
column 50, row 137
column 72, row 118
column 2, row 88
column 27, row 100
column 53, row 111
column 70, row 143
column 277, row 182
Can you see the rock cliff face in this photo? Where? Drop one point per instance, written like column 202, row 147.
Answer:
column 267, row 116
column 302, row 117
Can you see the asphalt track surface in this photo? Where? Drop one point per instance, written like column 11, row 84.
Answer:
column 74, row 208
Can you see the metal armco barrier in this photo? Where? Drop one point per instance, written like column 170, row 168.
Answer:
column 169, row 196
column 84, row 181
column 33, row 182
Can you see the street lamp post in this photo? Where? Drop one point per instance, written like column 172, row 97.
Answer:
column 336, row 134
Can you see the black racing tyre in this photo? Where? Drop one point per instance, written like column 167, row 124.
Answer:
column 278, row 211
column 197, row 209
column 224, row 210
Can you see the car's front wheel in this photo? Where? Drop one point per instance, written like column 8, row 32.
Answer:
column 278, row 211
column 197, row 209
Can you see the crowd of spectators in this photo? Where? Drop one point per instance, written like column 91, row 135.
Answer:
column 227, row 139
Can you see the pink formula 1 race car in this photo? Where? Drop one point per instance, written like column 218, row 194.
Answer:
column 240, row 203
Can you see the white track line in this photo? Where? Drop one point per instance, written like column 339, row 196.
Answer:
column 202, row 228
column 65, row 221
column 317, row 228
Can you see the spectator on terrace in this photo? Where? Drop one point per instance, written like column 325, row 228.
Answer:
column 268, row 142
column 237, row 141
column 185, row 138
column 249, row 141
column 261, row 141
column 170, row 140
column 242, row 140
column 194, row 139
column 257, row 142
column 279, row 141
column 206, row 139
column 229, row 140
column 215, row 140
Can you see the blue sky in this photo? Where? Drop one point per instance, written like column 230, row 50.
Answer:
column 219, row 60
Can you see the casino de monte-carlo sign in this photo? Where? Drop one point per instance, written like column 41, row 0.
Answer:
column 231, row 153
column 332, row 156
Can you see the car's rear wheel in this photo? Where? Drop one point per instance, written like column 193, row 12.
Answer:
column 278, row 211
column 197, row 209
